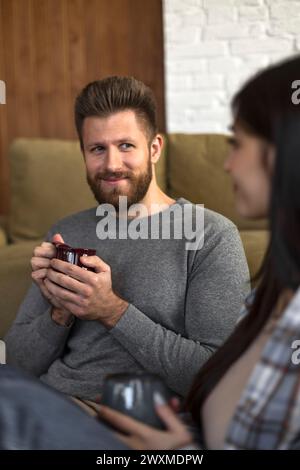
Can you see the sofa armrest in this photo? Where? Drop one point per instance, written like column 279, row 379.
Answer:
column 3, row 238
column 15, row 279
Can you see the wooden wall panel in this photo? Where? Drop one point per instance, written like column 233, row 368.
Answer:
column 50, row 49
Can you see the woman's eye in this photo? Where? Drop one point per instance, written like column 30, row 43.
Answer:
column 233, row 142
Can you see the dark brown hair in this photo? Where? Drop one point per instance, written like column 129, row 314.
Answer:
column 113, row 94
column 264, row 108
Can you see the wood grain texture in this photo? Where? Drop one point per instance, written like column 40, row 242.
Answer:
column 50, row 49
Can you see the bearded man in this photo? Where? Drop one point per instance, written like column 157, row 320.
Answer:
column 143, row 303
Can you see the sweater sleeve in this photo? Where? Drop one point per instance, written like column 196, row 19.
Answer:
column 216, row 288
column 34, row 340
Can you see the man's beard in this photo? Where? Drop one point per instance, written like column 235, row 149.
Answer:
column 138, row 187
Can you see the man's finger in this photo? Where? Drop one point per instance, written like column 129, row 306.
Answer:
column 46, row 250
column 95, row 262
column 60, row 293
column 57, row 238
column 39, row 274
column 70, row 307
column 38, row 263
column 67, row 282
column 71, row 270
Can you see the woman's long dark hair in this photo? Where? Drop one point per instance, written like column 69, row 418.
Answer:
column 264, row 108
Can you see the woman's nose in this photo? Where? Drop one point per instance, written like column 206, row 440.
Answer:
column 227, row 164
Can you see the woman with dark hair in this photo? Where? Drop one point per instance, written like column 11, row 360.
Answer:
column 247, row 395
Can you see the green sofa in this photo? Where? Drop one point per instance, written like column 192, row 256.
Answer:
column 191, row 166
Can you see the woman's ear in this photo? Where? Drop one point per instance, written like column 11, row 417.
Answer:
column 156, row 148
column 268, row 157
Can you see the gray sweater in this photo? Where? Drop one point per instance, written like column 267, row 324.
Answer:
column 182, row 305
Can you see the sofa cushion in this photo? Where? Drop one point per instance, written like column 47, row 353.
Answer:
column 47, row 183
column 255, row 243
column 195, row 171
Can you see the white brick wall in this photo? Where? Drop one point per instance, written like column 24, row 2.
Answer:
column 212, row 46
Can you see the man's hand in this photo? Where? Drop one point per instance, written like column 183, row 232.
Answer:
column 87, row 295
column 40, row 263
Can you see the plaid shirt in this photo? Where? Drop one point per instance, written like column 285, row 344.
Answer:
column 268, row 413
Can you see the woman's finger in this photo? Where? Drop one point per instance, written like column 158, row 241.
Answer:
column 170, row 419
column 130, row 441
column 175, row 404
column 123, row 422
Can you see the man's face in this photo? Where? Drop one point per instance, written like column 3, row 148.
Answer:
column 117, row 158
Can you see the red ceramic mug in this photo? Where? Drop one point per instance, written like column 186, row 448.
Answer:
column 72, row 255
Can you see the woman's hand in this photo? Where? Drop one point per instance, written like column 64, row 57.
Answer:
column 143, row 437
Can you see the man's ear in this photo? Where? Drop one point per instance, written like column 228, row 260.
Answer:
column 156, row 148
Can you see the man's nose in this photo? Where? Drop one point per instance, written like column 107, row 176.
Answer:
column 113, row 161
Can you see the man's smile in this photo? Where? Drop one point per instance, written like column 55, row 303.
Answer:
column 113, row 181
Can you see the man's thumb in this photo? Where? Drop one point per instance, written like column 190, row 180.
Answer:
column 57, row 238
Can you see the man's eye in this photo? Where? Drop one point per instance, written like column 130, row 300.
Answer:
column 126, row 146
column 97, row 149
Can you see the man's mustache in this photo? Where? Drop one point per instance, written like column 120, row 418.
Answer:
column 113, row 174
